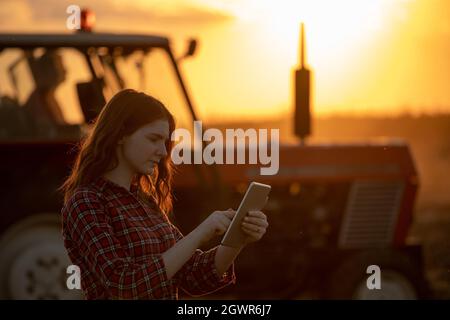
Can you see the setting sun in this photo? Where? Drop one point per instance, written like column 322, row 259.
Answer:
column 364, row 56
column 338, row 35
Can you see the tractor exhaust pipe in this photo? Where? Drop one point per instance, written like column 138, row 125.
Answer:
column 302, row 117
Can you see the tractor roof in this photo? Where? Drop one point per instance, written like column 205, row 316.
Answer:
column 79, row 40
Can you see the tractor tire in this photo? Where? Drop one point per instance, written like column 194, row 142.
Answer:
column 401, row 277
column 34, row 261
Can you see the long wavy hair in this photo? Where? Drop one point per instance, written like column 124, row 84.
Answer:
column 125, row 113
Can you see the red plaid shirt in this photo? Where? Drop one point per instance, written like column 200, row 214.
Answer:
column 117, row 241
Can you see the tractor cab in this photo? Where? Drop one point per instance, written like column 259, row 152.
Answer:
column 53, row 85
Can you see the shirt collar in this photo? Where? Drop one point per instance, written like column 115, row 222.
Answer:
column 103, row 183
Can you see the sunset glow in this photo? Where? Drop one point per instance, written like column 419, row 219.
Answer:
column 366, row 56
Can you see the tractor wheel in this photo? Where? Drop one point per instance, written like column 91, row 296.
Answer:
column 401, row 277
column 34, row 260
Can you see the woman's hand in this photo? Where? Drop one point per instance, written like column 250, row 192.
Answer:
column 215, row 225
column 254, row 226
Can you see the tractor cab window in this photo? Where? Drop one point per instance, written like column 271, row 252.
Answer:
column 153, row 72
column 16, row 80
column 38, row 93
column 76, row 72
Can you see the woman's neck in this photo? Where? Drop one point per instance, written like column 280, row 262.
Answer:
column 120, row 176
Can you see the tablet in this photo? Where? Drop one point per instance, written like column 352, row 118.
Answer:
column 254, row 199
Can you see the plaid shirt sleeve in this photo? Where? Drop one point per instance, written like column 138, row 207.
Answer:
column 199, row 275
column 87, row 224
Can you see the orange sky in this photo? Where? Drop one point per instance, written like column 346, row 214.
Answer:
column 377, row 56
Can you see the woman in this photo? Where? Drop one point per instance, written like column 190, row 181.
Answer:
column 116, row 202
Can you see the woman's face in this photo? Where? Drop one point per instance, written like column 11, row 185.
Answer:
column 144, row 148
